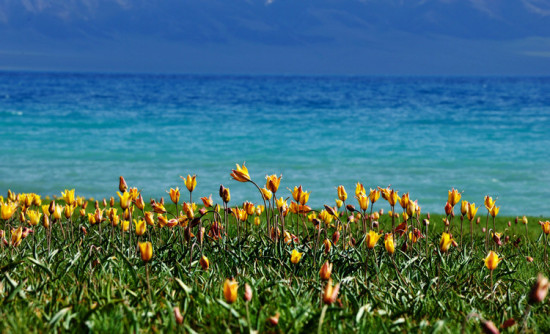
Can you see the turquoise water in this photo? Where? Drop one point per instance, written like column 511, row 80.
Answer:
column 421, row 135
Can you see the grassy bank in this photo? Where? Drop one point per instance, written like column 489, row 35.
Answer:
column 86, row 274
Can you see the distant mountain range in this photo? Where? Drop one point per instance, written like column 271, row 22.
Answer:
column 278, row 36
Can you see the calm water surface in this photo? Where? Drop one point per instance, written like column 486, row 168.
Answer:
column 421, row 135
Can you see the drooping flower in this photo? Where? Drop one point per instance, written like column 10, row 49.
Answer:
column 240, row 174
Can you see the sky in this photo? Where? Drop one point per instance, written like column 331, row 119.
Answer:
column 283, row 37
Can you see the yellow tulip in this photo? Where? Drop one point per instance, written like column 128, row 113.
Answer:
column 545, row 227
column 230, row 288
column 272, row 182
column 240, row 174
column 58, row 210
column 205, row 264
column 266, row 194
column 146, row 251
column 374, row 195
column 464, row 206
column 327, row 245
column 393, row 198
column 124, row 200
column 388, row 243
column 342, row 194
column 404, row 200
column 372, row 239
column 163, row 221
column 454, row 197
column 524, row 220
column 445, row 242
column 69, row 209
column 296, row 256
column 363, row 201
column 297, row 193
column 190, row 182
column 140, row 203
column 7, row 210
column 281, row 204
column 134, row 193
column 489, row 203
column 188, row 209
column 472, row 210
column 412, row 208
column 16, row 236
column 226, row 195
column 492, row 260
column 494, row 211
column 175, row 195
column 34, row 217
column 37, row 200
column 125, row 225
column 330, row 293
column 68, row 196
column 304, row 197
column 239, row 214
column 91, row 218
column 326, row 271
column 259, row 209
column 248, row 207
column 141, row 227
column 359, row 189
column 207, row 201
column 257, row 221
column 159, row 208
column 149, row 218
column 339, row 203
column 326, row 217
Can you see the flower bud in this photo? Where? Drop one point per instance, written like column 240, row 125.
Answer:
column 122, row 186
column 539, row 290
column 489, row 327
column 375, row 224
column 529, row 259
column 274, row 319
column 335, row 237
column 350, row 208
column 178, row 316
column 112, row 201
column 247, row 293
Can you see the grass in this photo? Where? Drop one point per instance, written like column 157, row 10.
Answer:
column 97, row 282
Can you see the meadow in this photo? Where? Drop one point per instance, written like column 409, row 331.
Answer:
column 371, row 261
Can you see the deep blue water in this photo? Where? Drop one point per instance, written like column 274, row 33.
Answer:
column 421, row 135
